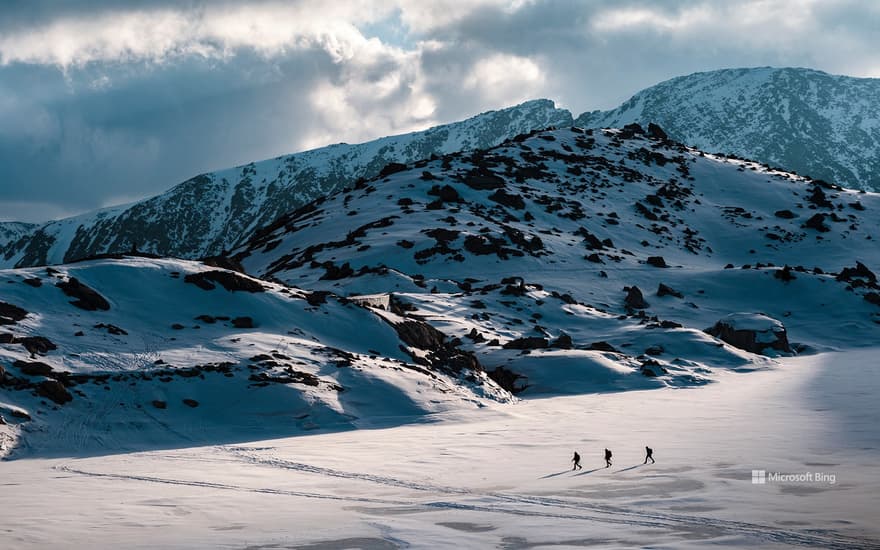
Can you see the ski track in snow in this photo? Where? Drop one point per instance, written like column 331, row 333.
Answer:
column 502, row 503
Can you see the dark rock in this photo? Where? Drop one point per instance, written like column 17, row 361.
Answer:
column 229, row 280
column 563, row 342
column 18, row 413
column 872, row 298
column 528, row 342
column 243, row 322
column 335, row 273
column 634, row 298
column 664, row 290
column 112, row 329
column 35, row 282
column 191, row 403
column 785, row 214
column 391, row 168
column 506, row 379
column 652, row 368
column 11, row 314
column 177, row 326
column 594, row 257
column 656, row 132
column 860, row 271
column 208, row 319
column 508, row 199
column 159, row 404
column 754, row 333
column 655, row 350
column 317, row 298
column 784, row 274
column 817, row 222
column 602, row 346
column 420, row 335
column 86, row 298
column 6, row 338
column 54, row 390
column 483, row 180
column 36, row 344
column 475, row 336
column 656, row 261
column 34, row 368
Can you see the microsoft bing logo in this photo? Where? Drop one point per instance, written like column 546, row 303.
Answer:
column 759, row 477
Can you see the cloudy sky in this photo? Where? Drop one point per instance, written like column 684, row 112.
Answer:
column 104, row 102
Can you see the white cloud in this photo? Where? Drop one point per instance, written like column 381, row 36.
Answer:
column 505, row 79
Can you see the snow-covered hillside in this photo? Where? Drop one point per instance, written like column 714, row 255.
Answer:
column 212, row 212
column 610, row 239
column 131, row 353
column 562, row 262
column 803, row 120
column 12, row 231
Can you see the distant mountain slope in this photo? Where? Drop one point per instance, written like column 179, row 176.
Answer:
column 214, row 211
column 820, row 125
column 12, row 231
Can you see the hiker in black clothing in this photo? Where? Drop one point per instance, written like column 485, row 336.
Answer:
column 607, row 458
column 577, row 461
column 649, row 454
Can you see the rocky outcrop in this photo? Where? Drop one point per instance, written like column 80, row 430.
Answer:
column 231, row 281
column 85, row 298
column 752, row 332
column 634, row 298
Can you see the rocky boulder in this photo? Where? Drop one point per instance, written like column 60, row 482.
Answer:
column 86, row 298
column 54, row 390
column 753, row 332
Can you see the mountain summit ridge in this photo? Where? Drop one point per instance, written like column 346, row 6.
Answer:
column 802, row 120
column 211, row 212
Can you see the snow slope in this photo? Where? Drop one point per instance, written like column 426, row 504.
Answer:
column 167, row 362
column 500, row 477
column 212, row 212
column 529, row 253
column 821, row 125
column 564, row 262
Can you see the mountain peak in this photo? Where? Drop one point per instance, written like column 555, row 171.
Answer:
column 803, row 120
column 214, row 211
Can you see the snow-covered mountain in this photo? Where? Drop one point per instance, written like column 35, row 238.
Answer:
column 565, row 261
column 820, row 125
column 214, row 211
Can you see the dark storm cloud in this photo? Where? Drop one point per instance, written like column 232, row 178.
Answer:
column 103, row 101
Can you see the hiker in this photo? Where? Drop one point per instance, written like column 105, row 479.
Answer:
column 649, row 454
column 607, row 458
column 577, row 461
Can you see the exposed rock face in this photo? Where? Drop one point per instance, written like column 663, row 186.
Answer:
column 243, row 322
column 634, row 298
column 86, row 298
column 11, row 314
column 34, row 368
column 212, row 212
column 707, row 109
column 54, row 390
column 529, row 342
column 664, row 290
column 752, row 332
column 507, row 379
column 227, row 279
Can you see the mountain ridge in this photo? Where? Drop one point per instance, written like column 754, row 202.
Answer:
column 802, row 120
column 211, row 212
